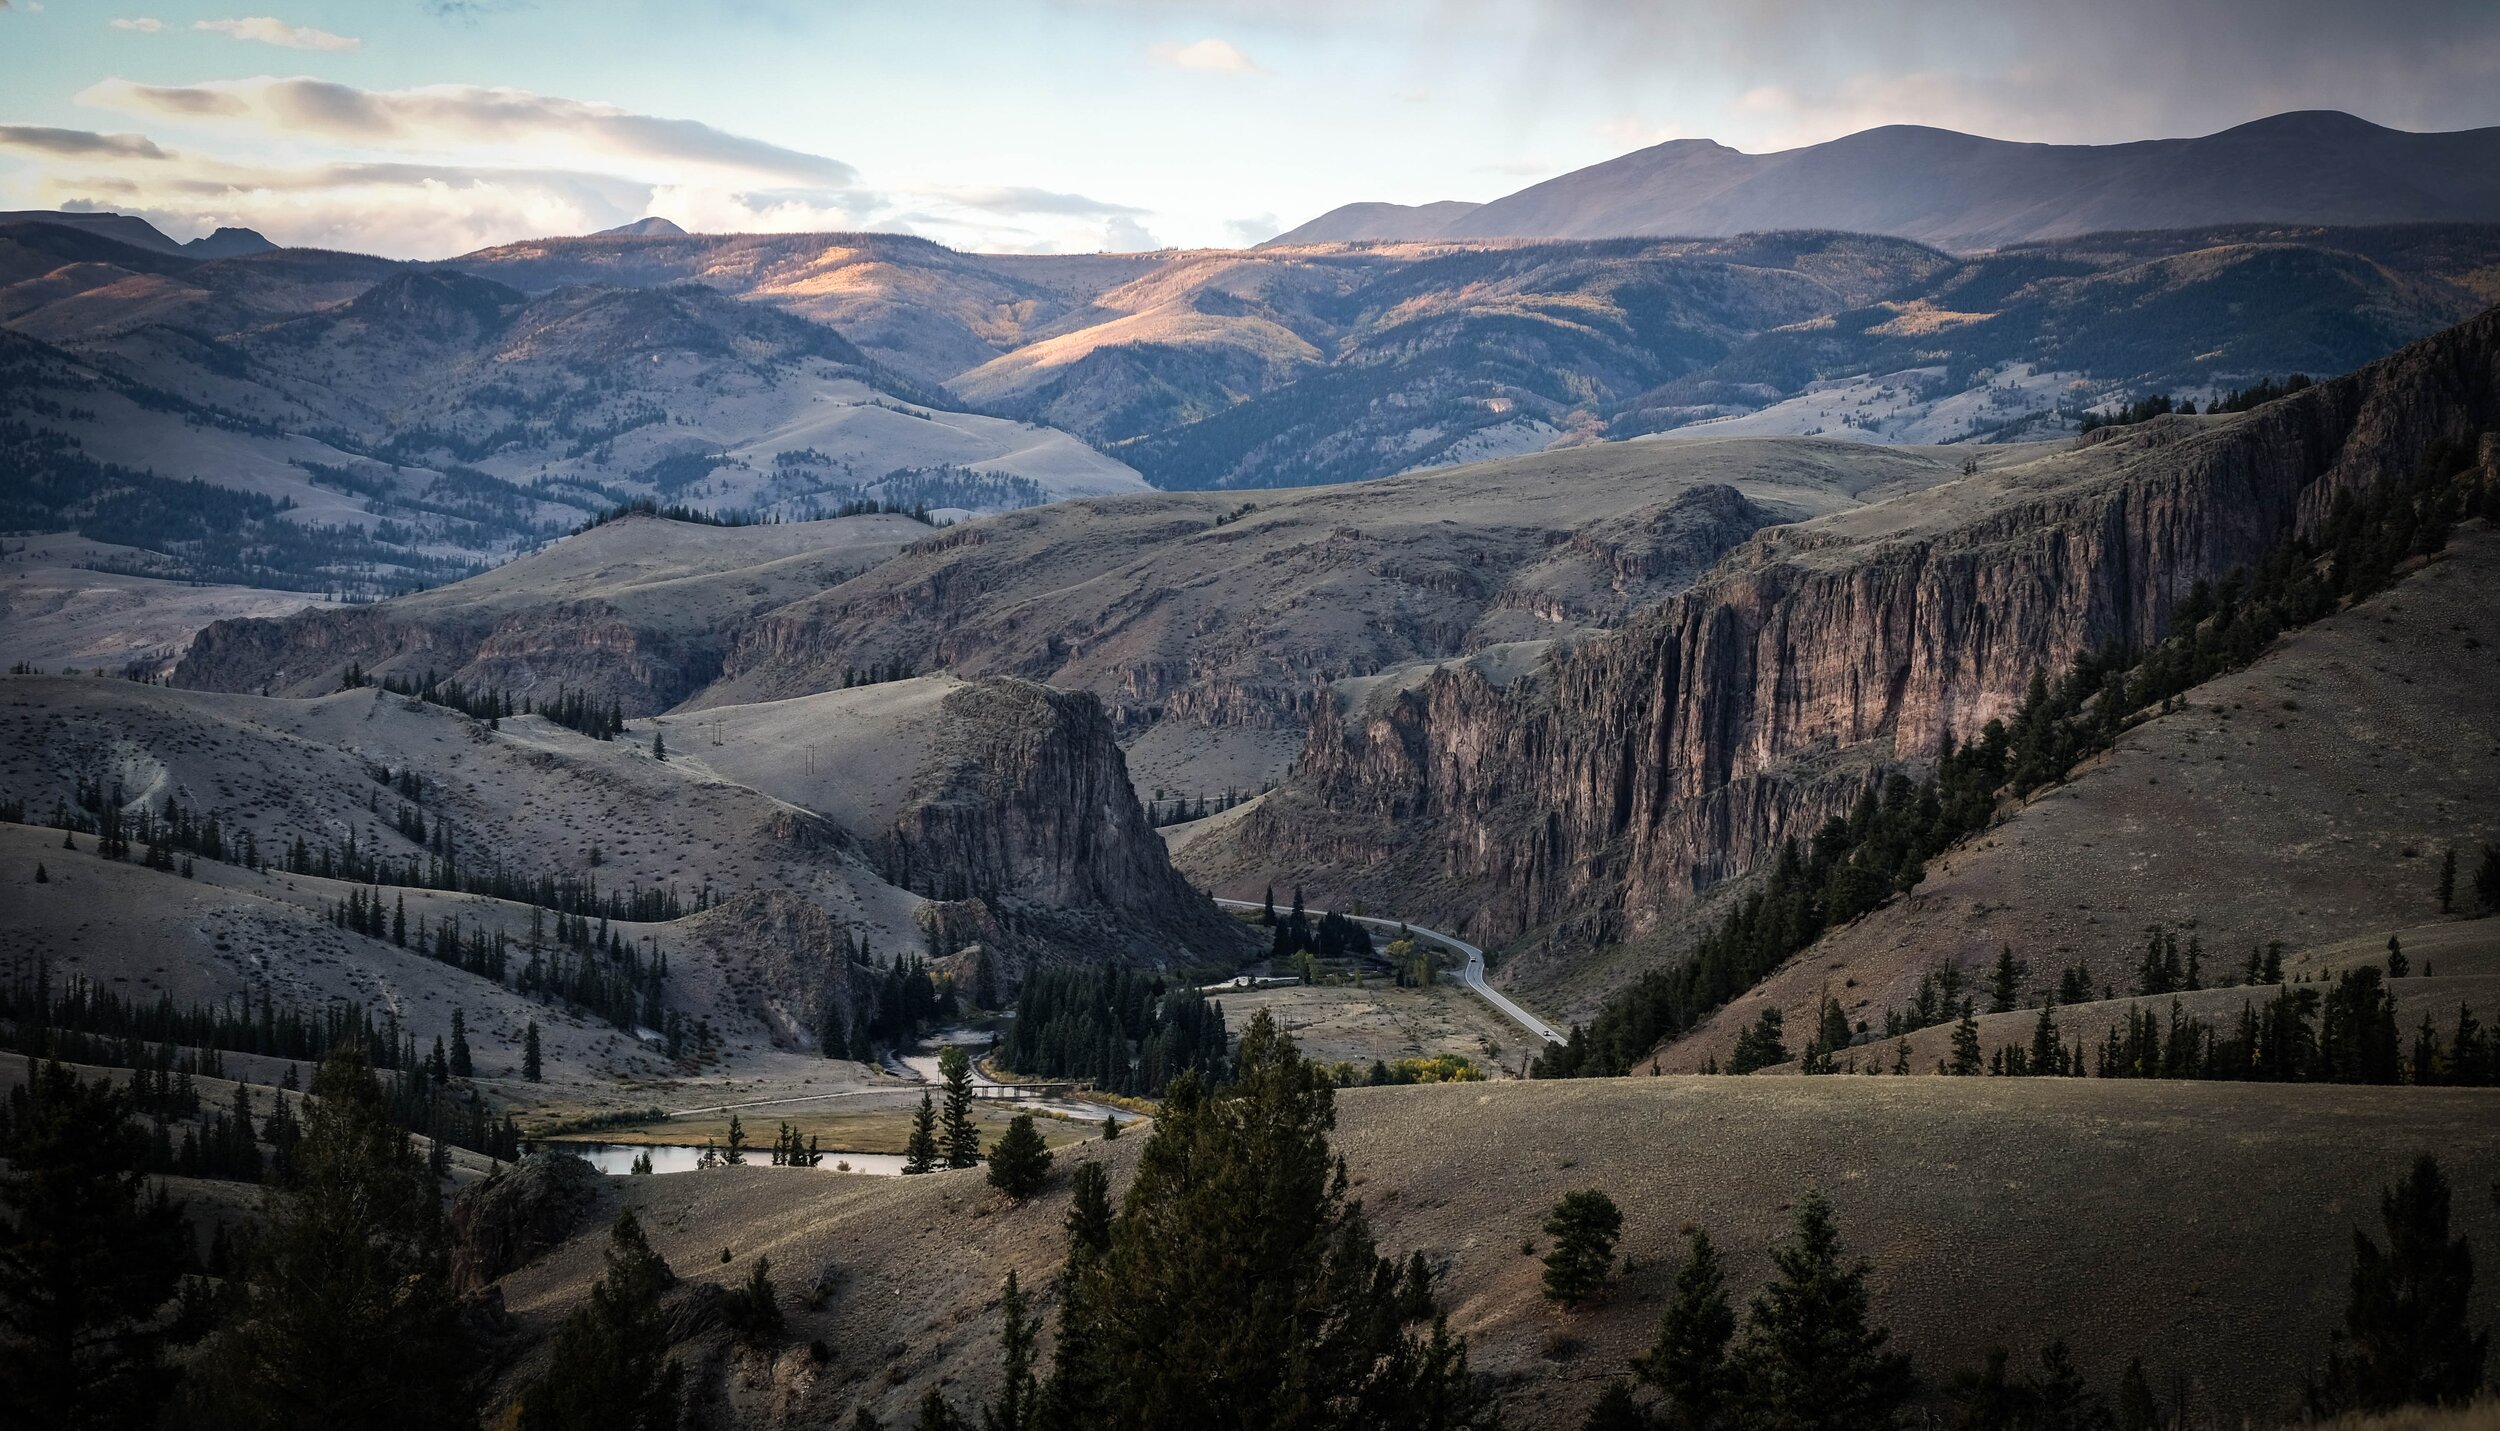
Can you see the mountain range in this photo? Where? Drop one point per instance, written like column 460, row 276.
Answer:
column 1964, row 193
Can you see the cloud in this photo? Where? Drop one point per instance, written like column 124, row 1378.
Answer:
column 78, row 143
column 1256, row 229
column 145, row 25
column 1127, row 235
column 440, row 117
column 267, row 30
column 1015, row 199
column 1209, row 54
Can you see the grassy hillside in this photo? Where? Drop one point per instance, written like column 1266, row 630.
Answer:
column 2203, row 1227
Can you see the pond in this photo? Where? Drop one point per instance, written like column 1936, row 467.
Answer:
column 680, row 1158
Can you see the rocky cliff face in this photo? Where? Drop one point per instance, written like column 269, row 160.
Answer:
column 582, row 646
column 1024, row 803
column 1640, row 767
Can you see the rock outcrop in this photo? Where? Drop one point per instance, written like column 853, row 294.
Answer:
column 517, row 1214
column 1023, row 802
column 1640, row 767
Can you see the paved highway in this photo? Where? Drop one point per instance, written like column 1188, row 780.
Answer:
column 1475, row 965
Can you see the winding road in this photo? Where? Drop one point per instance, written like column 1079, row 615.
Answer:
column 1474, row 972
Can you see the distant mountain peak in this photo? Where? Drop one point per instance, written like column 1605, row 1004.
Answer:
column 651, row 227
column 1967, row 192
column 139, row 233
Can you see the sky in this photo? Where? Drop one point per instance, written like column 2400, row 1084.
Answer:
column 425, row 128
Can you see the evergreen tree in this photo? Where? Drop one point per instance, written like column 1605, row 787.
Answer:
column 531, row 1068
column 2005, row 981
column 350, row 1318
column 936, row 1415
column 1584, row 1226
column 1688, row 1363
column 2137, row 1408
column 1020, row 1164
column 1089, row 1208
column 1811, row 1361
column 88, row 1260
column 1760, row 1046
column 1966, row 1057
column 736, row 1156
column 2487, row 879
column 961, row 1137
column 1241, row 1286
column 2398, row 966
column 462, row 1065
column 1019, row 1388
column 920, row 1155
column 659, row 745
column 752, row 1310
column 1616, row 1410
column 611, row 1370
column 2405, row 1337
column 1110, row 1128
column 2448, row 880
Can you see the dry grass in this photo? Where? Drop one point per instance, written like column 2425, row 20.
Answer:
column 2204, row 1227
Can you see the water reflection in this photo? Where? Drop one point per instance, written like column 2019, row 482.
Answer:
column 678, row 1158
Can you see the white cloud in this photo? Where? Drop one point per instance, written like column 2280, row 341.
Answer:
column 268, row 30
column 1017, row 199
column 1127, row 235
column 1256, row 229
column 448, row 117
column 1209, row 54
column 78, row 143
column 145, row 25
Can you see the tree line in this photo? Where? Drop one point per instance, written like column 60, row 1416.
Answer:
column 1125, row 1030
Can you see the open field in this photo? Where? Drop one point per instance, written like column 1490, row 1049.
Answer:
column 2205, row 1227
column 1338, row 1024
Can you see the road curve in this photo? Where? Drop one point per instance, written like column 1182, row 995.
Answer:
column 1475, row 965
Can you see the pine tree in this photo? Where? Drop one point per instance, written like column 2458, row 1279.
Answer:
column 462, row 1065
column 2405, row 1337
column 611, row 1370
column 1241, row 1286
column 1688, row 1363
column 2487, row 879
column 1810, row 1361
column 2005, row 981
column 936, row 1415
column 2448, row 881
column 961, row 1137
column 2398, row 966
column 1020, row 1164
column 1018, row 1388
column 1966, row 1057
column 530, row 1065
column 350, row 1318
column 1089, row 1208
column 1110, row 1128
column 736, row 1157
column 752, row 1310
column 1616, row 1410
column 88, row 1259
column 920, row 1155
column 2137, row 1408
column 659, row 745
column 1584, row 1226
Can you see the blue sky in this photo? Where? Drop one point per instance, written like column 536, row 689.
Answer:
column 425, row 129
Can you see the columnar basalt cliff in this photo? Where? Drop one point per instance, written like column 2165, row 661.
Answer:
column 1643, row 766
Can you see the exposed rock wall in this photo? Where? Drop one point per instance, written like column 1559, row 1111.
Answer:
column 583, row 646
column 1642, row 766
column 1025, row 803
